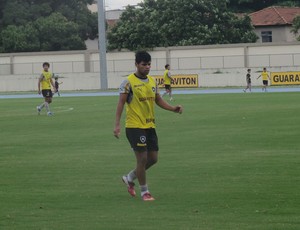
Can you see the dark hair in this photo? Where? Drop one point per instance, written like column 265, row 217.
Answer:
column 46, row 63
column 142, row 56
column 166, row 66
column 248, row 70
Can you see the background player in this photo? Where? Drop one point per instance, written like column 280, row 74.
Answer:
column 56, row 83
column 45, row 81
column 248, row 80
column 265, row 77
column 167, row 81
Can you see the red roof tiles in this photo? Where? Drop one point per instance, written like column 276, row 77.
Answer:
column 274, row 15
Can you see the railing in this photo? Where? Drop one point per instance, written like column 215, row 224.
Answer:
column 182, row 63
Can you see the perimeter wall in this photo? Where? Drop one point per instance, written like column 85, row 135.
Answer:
column 216, row 66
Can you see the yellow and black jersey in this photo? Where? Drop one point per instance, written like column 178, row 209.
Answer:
column 46, row 80
column 167, row 79
column 264, row 76
column 140, row 101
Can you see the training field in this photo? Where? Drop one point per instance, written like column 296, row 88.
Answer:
column 230, row 161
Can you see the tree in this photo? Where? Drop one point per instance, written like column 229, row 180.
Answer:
column 19, row 39
column 191, row 22
column 296, row 27
column 57, row 33
column 74, row 13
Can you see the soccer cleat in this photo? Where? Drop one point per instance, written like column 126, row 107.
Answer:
column 147, row 197
column 49, row 114
column 38, row 110
column 130, row 186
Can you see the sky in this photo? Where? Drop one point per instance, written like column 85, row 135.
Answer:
column 119, row 4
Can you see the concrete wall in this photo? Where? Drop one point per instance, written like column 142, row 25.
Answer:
column 216, row 66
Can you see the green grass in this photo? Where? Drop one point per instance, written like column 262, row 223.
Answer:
column 230, row 161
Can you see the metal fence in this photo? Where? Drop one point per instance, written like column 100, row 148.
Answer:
column 182, row 63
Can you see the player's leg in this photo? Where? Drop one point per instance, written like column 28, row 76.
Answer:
column 137, row 140
column 166, row 91
column 170, row 94
column 151, row 159
column 142, row 163
column 48, row 100
column 41, row 106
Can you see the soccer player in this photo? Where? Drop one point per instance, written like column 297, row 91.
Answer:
column 248, row 80
column 45, row 81
column 167, row 81
column 265, row 77
column 140, row 93
column 56, row 83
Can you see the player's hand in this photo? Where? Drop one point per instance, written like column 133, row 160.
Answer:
column 178, row 109
column 117, row 132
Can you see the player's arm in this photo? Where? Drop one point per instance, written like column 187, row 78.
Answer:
column 120, row 107
column 53, row 85
column 39, row 83
column 163, row 104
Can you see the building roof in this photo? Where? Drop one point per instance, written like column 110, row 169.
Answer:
column 274, row 15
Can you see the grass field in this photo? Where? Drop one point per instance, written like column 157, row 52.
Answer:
column 230, row 161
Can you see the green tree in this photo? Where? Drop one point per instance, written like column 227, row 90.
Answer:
column 19, row 39
column 296, row 27
column 191, row 22
column 74, row 13
column 57, row 33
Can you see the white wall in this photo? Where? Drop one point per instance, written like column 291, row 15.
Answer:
column 217, row 66
column 279, row 33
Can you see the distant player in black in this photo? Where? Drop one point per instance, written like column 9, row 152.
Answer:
column 248, row 80
column 56, row 83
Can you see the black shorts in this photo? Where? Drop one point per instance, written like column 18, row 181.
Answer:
column 47, row 93
column 168, row 87
column 265, row 82
column 142, row 140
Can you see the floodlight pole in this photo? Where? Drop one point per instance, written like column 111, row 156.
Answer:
column 102, row 44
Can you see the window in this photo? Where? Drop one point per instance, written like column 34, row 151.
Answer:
column 266, row 36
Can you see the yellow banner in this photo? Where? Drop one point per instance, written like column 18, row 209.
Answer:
column 179, row 81
column 285, row 78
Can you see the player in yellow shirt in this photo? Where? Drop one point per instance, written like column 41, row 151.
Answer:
column 45, row 81
column 167, row 81
column 139, row 92
column 265, row 77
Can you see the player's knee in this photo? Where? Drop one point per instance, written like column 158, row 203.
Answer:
column 142, row 160
column 152, row 161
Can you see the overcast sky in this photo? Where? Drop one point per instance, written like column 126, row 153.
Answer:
column 119, row 4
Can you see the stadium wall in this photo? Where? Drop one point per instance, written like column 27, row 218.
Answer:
column 216, row 66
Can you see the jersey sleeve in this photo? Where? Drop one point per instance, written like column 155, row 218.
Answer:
column 125, row 87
